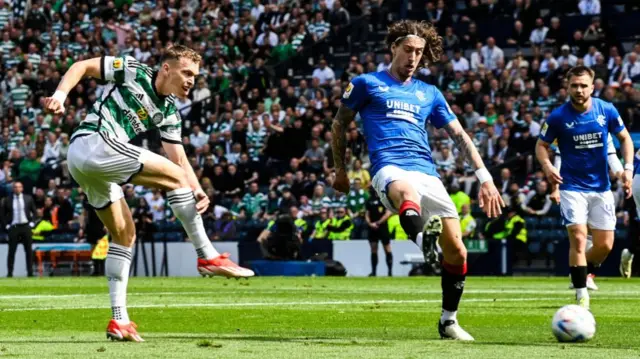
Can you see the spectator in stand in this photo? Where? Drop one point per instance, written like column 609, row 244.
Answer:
column 537, row 203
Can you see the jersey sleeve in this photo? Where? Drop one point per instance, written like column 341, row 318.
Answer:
column 441, row 113
column 549, row 131
column 119, row 69
column 614, row 120
column 171, row 129
column 356, row 94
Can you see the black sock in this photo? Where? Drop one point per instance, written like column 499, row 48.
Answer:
column 410, row 219
column 389, row 261
column 592, row 268
column 374, row 262
column 452, row 285
column 579, row 276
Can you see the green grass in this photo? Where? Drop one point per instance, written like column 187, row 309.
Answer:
column 309, row 318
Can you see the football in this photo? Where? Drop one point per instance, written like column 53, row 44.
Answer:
column 573, row 323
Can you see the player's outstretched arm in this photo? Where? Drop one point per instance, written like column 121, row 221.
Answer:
column 489, row 197
column 175, row 153
column 76, row 72
column 339, row 146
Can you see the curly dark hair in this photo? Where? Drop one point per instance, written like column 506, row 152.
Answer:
column 433, row 47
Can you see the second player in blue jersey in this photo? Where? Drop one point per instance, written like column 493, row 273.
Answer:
column 582, row 128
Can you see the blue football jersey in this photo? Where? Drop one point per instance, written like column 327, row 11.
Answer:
column 394, row 117
column 582, row 140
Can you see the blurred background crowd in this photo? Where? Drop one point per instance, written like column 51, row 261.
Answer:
column 256, row 127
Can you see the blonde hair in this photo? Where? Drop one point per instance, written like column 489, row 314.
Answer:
column 177, row 52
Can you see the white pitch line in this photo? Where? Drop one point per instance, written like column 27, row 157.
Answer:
column 249, row 291
column 280, row 304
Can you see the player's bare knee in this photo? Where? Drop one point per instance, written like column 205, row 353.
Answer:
column 177, row 180
column 603, row 247
column 123, row 236
column 457, row 255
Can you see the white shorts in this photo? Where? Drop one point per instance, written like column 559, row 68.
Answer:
column 635, row 190
column 434, row 198
column 101, row 165
column 595, row 209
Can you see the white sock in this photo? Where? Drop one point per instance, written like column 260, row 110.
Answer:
column 116, row 269
column 582, row 293
column 447, row 315
column 419, row 240
column 183, row 204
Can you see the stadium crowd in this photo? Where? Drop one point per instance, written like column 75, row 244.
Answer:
column 257, row 124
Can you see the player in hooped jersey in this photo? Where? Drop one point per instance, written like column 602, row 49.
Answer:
column 100, row 159
column 586, row 202
column 395, row 109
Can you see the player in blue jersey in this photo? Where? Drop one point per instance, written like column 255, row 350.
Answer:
column 586, row 202
column 616, row 170
column 395, row 109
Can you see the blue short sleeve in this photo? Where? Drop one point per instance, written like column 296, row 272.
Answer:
column 355, row 96
column 614, row 120
column 549, row 131
column 441, row 113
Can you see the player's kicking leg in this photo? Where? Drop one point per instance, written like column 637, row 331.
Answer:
column 405, row 197
column 158, row 172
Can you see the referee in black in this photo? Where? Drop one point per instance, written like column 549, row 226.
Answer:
column 376, row 216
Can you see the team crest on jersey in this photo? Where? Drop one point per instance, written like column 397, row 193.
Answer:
column 570, row 125
column 347, row 92
column 420, row 95
column 117, row 64
column 157, row 118
column 142, row 114
column 601, row 120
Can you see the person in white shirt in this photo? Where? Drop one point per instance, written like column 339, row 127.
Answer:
column 590, row 58
column 201, row 91
column 539, row 34
column 324, row 74
column 385, row 64
column 589, row 7
column 631, row 69
column 476, row 58
column 460, row 63
column 157, row 206
column 566, row 55
column 198, row 138
column 492, row 54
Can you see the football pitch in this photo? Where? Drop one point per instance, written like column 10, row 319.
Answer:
column 310, row 318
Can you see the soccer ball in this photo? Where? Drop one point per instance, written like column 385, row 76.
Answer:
column 572, row 323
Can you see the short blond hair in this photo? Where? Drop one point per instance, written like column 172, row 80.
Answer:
column 177, row 52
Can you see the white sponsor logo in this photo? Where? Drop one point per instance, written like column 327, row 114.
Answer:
column 620, row 122
column 588, row 140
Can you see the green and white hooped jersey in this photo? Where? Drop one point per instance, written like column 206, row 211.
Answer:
column 130, row 104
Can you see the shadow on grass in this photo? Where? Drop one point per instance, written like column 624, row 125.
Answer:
column 301, row 340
